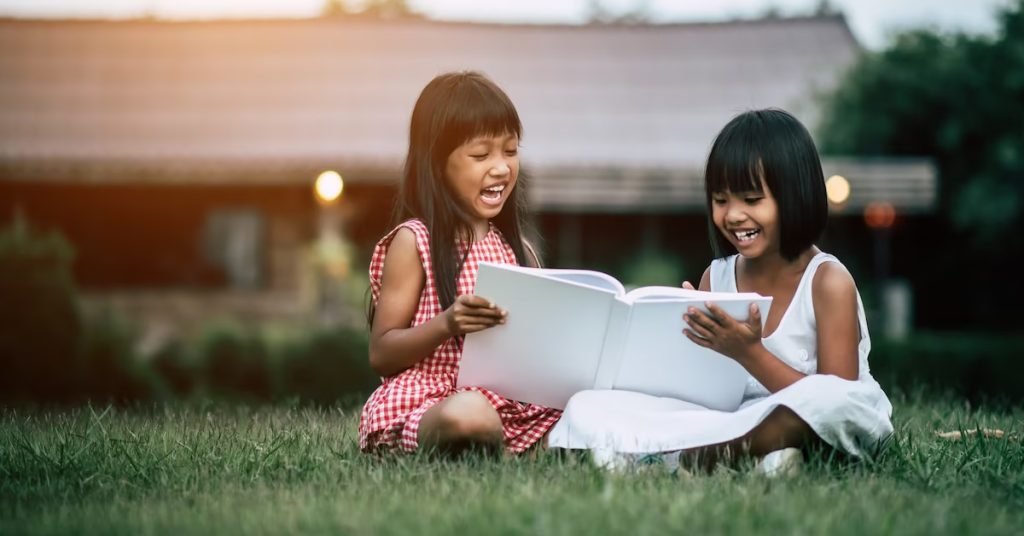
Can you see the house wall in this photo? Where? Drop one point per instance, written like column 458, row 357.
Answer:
column 147, row 236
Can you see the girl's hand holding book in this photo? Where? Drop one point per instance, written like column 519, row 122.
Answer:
column 472, row 313
column 724, row 334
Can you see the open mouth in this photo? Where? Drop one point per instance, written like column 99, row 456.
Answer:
column 746, row 236
column 492, row 194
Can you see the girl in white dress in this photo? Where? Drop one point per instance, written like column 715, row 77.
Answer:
column 809, row 377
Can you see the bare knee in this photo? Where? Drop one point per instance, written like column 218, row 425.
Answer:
column 782, row 428
column 468, row 417
column 788, row 421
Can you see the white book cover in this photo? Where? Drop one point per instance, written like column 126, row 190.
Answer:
column 572, row 330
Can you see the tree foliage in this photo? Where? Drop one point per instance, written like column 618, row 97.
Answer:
column 954, row 97
column 39, row 318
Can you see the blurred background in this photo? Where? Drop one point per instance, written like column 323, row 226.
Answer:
column 190, row 191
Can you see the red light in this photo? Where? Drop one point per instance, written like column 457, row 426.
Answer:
column 880, row 215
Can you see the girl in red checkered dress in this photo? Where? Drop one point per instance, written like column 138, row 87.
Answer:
column 459, row 205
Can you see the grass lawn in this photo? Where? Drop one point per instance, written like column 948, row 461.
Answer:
column 276, row 470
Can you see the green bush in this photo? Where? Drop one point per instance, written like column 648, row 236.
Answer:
column 108, row 367
column 327, row 366
column 235, row 363
column 176, row 369
column 981, row 368
column 651, row 267
column 39, row 318
column 51, row 353
column 318, row 366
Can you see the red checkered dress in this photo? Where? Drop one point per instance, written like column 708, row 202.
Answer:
column 391, row 417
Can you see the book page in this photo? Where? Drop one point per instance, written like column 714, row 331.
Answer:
column 590, row 278
column 550, row 345
column 614, row 342
column 657, row 293
column 658, row 359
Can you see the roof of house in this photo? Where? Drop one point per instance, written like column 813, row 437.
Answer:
column 205, row 100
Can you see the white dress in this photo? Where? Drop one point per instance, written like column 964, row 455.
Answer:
column 852, row 416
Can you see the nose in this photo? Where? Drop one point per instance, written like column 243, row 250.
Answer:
column 735, row 213
column 501, row 168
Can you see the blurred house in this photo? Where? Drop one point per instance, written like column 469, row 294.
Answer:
column 179, row 157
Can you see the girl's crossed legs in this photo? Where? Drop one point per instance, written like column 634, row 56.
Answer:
column 461, row 421
column 782, row 428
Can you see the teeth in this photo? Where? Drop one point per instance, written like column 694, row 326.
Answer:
column 496, row 189
column 746, row 235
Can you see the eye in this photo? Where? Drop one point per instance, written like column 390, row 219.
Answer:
column 718, row 200
column 512, row 152
column 479, row 156
column 753, row 199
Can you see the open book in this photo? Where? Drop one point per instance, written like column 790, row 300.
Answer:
column 572, row 330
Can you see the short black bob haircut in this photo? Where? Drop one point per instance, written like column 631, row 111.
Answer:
column 774, row 146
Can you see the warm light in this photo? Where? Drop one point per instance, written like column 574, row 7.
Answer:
column 329, row 186
column 837, row 188
column 880, row 215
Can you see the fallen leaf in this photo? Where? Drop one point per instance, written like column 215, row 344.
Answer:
column 957, row 435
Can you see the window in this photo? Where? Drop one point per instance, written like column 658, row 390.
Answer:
column 233, row 240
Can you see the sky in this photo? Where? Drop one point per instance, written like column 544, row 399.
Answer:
column 872, row 21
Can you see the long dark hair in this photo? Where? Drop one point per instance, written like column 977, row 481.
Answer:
column 452, row 109
column 774, row 146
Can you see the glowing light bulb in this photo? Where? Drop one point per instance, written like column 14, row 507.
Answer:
column 837, row 188
column 880, row 215
column 329, row 186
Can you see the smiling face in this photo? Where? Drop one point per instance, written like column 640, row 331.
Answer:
column 765, row 187
column 482, row 174
column 748, row 220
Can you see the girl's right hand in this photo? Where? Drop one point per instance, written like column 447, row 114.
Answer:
column 472, row 313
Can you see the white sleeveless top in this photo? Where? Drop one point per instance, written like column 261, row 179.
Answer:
column 795, row 340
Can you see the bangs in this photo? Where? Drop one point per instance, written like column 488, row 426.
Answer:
column 769, row 149
column 735, row 163
column 452, row 109
column 480, row 108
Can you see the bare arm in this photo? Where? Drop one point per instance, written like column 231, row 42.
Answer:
column 835, row 309
column 740, row 341
column 773, row 373
column 394, row 345
column 705, row 280
column 838, row 333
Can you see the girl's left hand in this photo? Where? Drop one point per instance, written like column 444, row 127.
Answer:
column 723, row 333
